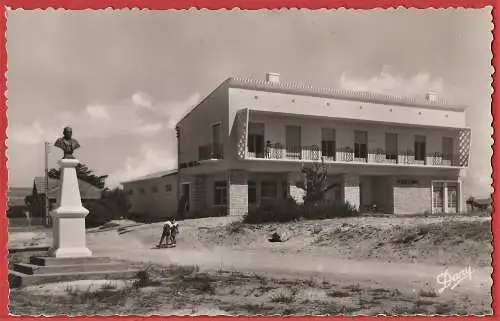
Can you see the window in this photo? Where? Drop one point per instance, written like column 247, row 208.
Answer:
column 168, row 188
column 215, row 151
column 328, row 143
column 391, row 146
column 142, row 191
column 360, row 144
column 419, row 148
column 269, row 189
column 154, row 189
column 130, row 192
column 252, row 192
column 220, row 193
column 216, row 134
column 256, row 139
column 447, row 148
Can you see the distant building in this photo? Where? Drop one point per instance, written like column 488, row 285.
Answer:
column 16, row 201
column 484, row 203
column 154, row 195
column 87, row 191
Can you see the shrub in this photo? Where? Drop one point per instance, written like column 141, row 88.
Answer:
column 275, row 211
column 288, row 210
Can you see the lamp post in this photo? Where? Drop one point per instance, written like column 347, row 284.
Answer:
column 47, row 200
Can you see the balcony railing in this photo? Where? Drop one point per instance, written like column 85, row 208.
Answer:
column 211, row 151
column 348, row 154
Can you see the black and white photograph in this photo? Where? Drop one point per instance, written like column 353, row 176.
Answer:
column 249, row 162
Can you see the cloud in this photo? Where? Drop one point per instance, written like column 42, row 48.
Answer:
column 148, row 160
column 387, row 82
column 161, row 154
column 97, row 112
column 30, row 134
column 142, row 99
column 135, row 116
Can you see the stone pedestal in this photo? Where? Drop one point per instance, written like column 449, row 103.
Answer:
column 69, row 217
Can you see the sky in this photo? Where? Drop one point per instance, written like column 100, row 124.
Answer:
column 123, row 78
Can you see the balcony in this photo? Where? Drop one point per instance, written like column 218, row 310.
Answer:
column 210, row 152
column 278, row 151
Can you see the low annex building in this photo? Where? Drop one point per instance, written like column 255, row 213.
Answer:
column 154, row 195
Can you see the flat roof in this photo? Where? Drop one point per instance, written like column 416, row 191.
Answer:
column 152, row 176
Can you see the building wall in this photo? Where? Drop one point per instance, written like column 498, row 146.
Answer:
column 151, row 203
column 418, row 198
column 413, row 199
column 196, row 127
column 202, row 190
column 345, row 109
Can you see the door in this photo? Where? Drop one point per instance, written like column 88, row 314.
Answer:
column 186, row 196
column 437, row 198
column 447, row 147
column 293, row 142
column 361, row 145
column 328, row 148
column 452, row 197
column 256, row 133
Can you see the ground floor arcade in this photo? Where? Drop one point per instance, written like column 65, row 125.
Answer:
column 237, row 191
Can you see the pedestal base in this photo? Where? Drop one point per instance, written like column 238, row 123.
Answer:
column 69, row 217
column 70, row 252
column 43, row 269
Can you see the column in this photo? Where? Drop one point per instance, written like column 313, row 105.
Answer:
column 351, row 190
column 445, row 197
column 238, row 192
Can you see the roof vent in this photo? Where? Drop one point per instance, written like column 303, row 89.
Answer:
column 431, row 96
column 273, row 77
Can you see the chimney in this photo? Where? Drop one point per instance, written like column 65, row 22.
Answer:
column 273, row 77
column 431, row 96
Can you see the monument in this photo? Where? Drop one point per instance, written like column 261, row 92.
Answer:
column 69, row 216
column 69, row 258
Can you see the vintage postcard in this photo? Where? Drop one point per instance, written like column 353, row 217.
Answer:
column 250, row 162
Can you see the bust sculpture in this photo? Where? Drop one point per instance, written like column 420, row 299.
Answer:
column 67, row 143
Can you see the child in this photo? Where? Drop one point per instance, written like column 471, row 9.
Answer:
column 174, row 230
column 166, row 233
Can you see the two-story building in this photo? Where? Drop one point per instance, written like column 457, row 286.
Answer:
column 246, row 141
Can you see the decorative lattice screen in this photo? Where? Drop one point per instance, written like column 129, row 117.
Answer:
column 464, row 138
column 242, row 126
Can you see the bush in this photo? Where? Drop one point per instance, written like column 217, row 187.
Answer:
column 276, row 211
column 288, row 210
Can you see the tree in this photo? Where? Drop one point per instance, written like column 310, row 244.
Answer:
column 112, row 205
column 35, row 202
column 471, row 201
column 83, row 173
column 119, row 197
column 315, row 183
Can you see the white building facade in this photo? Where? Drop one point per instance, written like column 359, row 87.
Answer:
column 246, row 142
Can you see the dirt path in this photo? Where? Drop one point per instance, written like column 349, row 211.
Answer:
column 408, row 275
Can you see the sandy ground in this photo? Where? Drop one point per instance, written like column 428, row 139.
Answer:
column 406, row 254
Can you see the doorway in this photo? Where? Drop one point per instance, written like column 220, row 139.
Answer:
column 293, row 142
column 186, row 196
